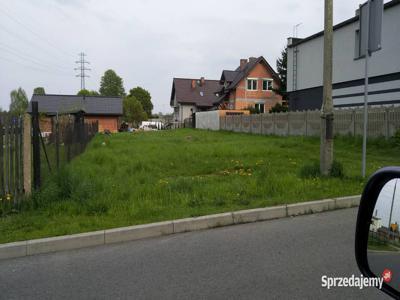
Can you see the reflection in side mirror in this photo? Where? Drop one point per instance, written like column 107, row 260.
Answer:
column 384, row 235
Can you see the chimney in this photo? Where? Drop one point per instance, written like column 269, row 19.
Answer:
column 202, row 81
column 243, row 62
column 193, row 83
column 251, row 59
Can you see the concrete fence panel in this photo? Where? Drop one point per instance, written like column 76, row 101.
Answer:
column 344, row 122
column 393, row 117
column 222, row 122
column 256, row 123
column 246, row 123
column 282, row 124
column 267, row 121
column 313, row 123
column 237, row 123
column 382, row 122
column 376, row 123
column 297, row 123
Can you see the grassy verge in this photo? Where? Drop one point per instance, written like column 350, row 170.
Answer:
column 128, row 179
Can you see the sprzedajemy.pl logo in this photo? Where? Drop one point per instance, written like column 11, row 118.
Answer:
column 352, row 281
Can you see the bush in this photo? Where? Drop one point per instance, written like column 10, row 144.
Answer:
column 277, row 108
column 337, row 169
column 313, row 170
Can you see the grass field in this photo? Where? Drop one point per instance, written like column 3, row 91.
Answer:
column 128, row 179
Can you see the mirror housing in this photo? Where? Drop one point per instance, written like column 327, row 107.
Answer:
column 367, row 204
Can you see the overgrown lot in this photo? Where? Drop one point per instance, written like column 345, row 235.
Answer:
column 127, row 179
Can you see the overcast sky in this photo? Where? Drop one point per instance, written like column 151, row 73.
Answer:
column 146, row 42
column 389, row 193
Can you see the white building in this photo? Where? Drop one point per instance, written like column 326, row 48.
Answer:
column 191, row 95
column 305, row 66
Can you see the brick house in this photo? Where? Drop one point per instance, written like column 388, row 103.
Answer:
column 106, row 110
column 250, row 85
column 192, row 95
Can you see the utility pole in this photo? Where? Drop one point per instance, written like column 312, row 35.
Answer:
column 326, row 150
column 82, row 68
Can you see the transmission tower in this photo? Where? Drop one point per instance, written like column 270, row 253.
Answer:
column 82, row 68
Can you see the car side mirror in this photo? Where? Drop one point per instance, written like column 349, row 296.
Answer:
column 377, row 245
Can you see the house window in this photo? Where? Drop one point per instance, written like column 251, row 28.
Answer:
column 259, row 108
column 357, row 48
column 252, row 84
column 267, row 85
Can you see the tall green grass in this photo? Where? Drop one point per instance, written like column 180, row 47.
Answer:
column 127, row 179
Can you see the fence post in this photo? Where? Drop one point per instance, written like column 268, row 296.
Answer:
column 35, row 145
column 273, row 122
column 2, row 133
column 288, row 123
column 387, row 123
column 306, row 121
column 354, row 121
column 57, row 142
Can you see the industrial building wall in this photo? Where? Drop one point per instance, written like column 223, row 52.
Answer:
column 348, row 72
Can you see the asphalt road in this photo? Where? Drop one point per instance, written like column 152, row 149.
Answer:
column 280, row 259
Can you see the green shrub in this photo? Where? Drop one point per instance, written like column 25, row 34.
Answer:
column 312, row 170
column 337, row 169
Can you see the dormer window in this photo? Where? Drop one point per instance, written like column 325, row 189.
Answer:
column 267, row 84
column 251, row 84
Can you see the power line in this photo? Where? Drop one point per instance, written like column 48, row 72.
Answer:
column 23, row 56
column 19, row 37
column 10, row 16
column 32, row 67
column 82, row 68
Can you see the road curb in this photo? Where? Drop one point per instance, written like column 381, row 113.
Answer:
column 259, row 214
column 305, row 208
column 116, row 235
column 203, row 222
column 137, row 232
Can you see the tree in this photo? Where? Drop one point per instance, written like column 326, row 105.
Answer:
column 133, row 111
column 111, row 84
column 19, row 102
column 253, row 109
column 39, row 91
column 144, row 98
column 88, row 93
column 281, row 67
column 278, row 108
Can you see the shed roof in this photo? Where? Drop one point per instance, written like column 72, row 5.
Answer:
column 92, row 105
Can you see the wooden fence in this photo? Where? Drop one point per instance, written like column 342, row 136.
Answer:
column 11, row 163
column 27, row 157
column 382, row 122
